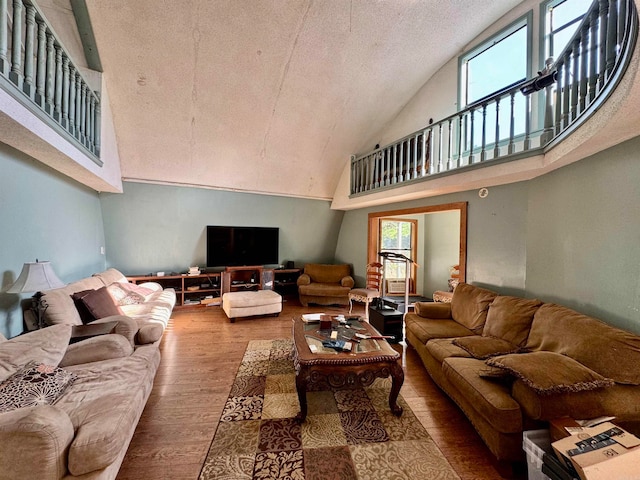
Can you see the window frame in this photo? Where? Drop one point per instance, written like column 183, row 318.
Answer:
column 525, row 21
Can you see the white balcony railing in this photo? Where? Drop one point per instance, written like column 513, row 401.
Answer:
column 509, row 125
column 36, row 69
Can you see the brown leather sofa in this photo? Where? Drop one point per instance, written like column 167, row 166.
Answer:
column 325, row 284
column 513, row 364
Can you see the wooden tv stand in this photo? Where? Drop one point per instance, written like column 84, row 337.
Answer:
column 208, row 288
column 191, row 290
column 238, row 279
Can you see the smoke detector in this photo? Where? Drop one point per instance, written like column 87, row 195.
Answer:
column 483, row 192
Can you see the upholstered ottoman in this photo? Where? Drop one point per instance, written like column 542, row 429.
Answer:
column 252, row 303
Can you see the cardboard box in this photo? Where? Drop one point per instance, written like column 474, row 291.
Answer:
column 603, row 452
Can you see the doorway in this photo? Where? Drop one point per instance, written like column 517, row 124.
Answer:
column 439, row 243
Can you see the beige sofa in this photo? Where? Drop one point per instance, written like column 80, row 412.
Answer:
column 325, row 284
column 142, row 320
column 513, row 364
column 83, row 430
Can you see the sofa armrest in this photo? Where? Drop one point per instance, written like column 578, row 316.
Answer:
column 96, row 349
column 126, row 327
column 35, row 442
column 347, row 281
column 433, row 310
column 304, row 279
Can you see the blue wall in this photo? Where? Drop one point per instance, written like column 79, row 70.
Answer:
column 47, row 216
column 496, row 235
column 571, row 236
column 583, row 239
column 154, row 228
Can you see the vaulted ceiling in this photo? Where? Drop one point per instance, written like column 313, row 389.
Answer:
column 268, row 96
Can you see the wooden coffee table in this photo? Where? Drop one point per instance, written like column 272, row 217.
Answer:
column 368, row 360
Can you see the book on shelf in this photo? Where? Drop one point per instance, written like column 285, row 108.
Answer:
column 211, row 301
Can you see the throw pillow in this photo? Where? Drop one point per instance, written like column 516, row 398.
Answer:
column 549, row 373
column 122, row 296
column 47, row 345
column 485, row 347
column 495, row 374
column 510, row 318
column 100, row 303
column 469, row 306
column 83, row 311
column 35, row 384
column 132, row 287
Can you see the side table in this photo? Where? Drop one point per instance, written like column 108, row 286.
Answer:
column 82, row 332
column 387, row 322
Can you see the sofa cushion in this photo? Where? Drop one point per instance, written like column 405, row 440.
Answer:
column 61, row 307
column 548, row 373
column 324, row 290
column 47, row 346
column 166, row 297
column 149, row 333
column 612, row 352
column 97, row 349
column 484, row 347
column 470, row 304
column 619, row 400
column 34, row 384
column 441, row 348
column 492, row 400
column 510, row 318
column 426, row 329
column 104, row 405
column 495, row 373
column 109, row 276
column 433, row 309
column 100, row 304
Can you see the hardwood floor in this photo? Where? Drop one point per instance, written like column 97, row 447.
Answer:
column 201, row 352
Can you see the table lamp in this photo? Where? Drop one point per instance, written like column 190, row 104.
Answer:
column 35, row 277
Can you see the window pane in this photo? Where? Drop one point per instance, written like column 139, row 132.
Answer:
column 500, row 65
column 569, row 10
column 562, row 22
column 405, row 241
column 396, row 238
column 561, row 39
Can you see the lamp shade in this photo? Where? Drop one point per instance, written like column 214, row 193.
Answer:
column 35, row 277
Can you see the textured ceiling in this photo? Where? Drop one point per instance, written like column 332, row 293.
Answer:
column 268, row 96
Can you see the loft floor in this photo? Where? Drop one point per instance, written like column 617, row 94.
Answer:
column 201, row 352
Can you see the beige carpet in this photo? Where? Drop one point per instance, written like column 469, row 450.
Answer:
column 348, row 434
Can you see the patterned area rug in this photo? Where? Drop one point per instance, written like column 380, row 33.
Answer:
column 348, row 434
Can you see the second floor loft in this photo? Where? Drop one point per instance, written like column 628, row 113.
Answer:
column 39, row 72
column 526, row 118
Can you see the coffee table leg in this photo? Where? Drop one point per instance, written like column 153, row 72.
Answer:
column 397, row 379
column 301, row 387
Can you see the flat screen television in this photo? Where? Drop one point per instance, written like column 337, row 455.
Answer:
column 238, row 246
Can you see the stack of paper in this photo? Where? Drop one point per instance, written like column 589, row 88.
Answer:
column 311, row 317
